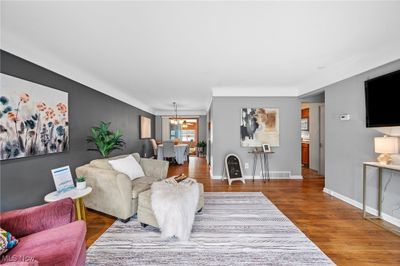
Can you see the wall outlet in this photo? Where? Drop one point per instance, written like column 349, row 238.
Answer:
column 246, row 165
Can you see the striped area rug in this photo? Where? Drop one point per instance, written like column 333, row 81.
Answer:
column 234, row 228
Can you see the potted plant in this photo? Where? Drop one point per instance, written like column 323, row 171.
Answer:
column 81, row 182
column 201, row 146
column 105, row 140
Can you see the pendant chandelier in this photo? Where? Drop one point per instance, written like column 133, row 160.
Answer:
column 176, row 120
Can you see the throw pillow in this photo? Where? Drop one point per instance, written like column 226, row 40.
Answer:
column 128, row 166
column 7, row 241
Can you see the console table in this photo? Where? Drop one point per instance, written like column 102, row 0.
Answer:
column 264, row 162
column 379, row 216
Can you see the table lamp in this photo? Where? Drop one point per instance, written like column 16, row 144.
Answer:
column 385, row 146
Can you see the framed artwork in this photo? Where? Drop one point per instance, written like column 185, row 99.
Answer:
column 145, row 127
column 266, row 148
column 258, row 126
column 304, row 124
column 33, row 119
column 63, row 179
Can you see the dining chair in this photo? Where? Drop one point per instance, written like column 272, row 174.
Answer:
column 169, row 150
column 155, row 147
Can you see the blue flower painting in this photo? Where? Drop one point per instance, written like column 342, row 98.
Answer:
column 33, row 119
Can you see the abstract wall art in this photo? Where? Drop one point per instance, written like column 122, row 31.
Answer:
column 259, row 126
column 145, row 127
column 33, row 119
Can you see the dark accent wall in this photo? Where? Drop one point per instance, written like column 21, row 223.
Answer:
column 25, row 181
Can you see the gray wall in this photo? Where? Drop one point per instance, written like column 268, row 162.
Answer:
column 203, row 128
column 349, row 143
column 225, row 117
column 24, row 182
column 209, row 134
column 158, row 132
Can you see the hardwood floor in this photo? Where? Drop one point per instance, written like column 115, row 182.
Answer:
column 336, row 227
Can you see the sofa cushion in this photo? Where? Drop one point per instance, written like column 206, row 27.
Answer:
column 128, row 166
column 57, row 246
column 142, row 184
column 103, row 163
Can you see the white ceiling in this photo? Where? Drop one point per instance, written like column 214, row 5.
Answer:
column 150, row 54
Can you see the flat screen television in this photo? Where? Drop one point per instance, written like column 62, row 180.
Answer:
column 382, row 100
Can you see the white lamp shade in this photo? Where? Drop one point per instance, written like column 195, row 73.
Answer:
column 386, row 144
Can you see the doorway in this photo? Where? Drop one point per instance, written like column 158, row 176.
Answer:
column 313, row 135
column 185, row 130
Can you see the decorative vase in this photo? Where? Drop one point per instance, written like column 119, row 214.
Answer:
column 81, row 185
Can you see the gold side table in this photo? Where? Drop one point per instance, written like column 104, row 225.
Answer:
column 75, row 194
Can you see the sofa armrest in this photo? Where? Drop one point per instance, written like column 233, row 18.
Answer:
column 24, row 222
column 155, row 168
column 112, row 191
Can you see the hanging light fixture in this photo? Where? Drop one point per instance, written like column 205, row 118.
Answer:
column 175, row 120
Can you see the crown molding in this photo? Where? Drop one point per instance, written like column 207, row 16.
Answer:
column 26, row 50
column 255, row 91
column 181, row 113
column 351, row 67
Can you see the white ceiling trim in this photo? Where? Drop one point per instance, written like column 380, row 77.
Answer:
column 351, row 67
column 15, row 44
column 181, row 113
column 255, row 91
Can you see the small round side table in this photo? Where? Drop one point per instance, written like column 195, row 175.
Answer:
column 75, row 194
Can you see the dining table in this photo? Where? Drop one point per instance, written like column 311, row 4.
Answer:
column 181, row 152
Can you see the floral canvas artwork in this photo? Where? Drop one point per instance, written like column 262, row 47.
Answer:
column 33, row 119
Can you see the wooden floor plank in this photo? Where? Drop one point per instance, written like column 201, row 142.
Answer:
column 336, row 227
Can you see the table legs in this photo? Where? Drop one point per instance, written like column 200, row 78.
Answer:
column 254, row 165
column 379, row 192
column 377, row 217
column 264, row 164
column 364, row 190
column 80, row 209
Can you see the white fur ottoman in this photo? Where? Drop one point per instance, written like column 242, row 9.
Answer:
column 145, row 213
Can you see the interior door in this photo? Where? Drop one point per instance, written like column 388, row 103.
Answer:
column 322, row 140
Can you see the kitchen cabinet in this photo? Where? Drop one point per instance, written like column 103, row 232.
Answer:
column 305, row 113
column 305, row 154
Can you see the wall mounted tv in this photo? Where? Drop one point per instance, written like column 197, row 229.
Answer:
column 382, row 100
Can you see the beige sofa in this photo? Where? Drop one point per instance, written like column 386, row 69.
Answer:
column 145, row 212
column 113, row 192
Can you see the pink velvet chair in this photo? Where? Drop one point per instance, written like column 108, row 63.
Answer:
column 47, row 234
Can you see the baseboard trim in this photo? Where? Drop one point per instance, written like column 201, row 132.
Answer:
column 248, row 177
column 388, row 218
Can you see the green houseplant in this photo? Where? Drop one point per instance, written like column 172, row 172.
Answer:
column 81, row 182
column 201, row 146
column 105, row 140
